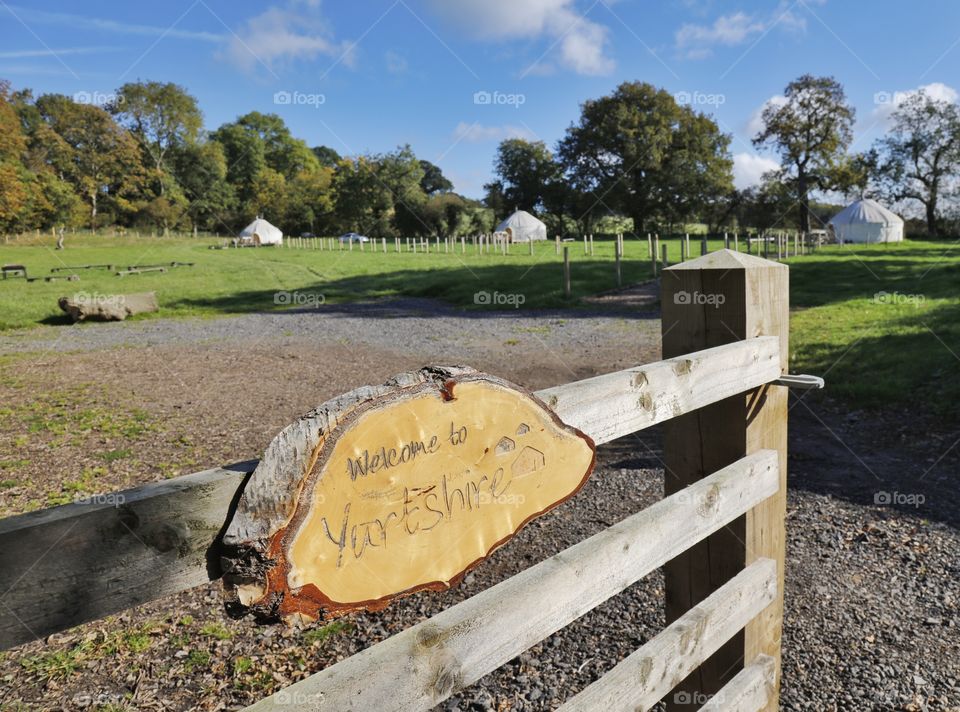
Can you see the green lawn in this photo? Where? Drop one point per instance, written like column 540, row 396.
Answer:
column 882, row 323
column 240, row 280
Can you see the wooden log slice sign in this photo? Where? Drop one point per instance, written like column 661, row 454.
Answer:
column 393, row 489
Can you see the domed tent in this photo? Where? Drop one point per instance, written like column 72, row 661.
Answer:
column 260, row 232
column 866, row 220
column 523, row 227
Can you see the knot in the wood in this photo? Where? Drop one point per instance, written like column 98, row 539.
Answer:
column 448, row 679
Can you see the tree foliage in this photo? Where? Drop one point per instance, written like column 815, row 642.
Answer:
column 920, row 158
column 811, row 131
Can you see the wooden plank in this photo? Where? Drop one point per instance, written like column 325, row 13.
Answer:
column 719, row 299
column 423, row 665
column 604, row 407
column 617, row 404
column 646, row 675
column 750, row 691
column 64, row 566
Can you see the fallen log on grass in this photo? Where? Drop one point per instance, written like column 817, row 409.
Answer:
column 108, row 307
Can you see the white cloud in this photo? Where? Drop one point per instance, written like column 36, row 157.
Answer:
column 727, row 30
column 30, row 53
column 748, row 169
column 755, row 122
column 477, row 132
column 886, row 102
column 696, row 41
column 79, row 22
column 577, row 43
column 281, row 35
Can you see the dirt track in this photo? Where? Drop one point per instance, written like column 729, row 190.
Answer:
column 872, row 590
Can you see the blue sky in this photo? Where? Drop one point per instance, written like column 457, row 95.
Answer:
column 453, row 77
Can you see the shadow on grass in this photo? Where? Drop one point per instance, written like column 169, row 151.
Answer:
column 56, row 320
column 467, row 290
column 816, row 283
column 914, row 361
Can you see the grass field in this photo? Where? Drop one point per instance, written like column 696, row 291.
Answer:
column 882, row 323
column 234, row 281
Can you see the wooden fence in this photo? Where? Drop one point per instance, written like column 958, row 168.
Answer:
column 719, row 532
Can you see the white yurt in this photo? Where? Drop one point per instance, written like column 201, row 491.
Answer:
column 866, row 220
column 260, row 232
column 523, row 227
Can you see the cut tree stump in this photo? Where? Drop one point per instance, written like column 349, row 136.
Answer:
column 108, row 307
column 388, row 490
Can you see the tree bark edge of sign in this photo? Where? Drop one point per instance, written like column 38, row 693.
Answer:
column 280, row 496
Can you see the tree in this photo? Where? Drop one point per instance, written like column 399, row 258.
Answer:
column 201, row 169
column 326, row 156
column 244, row 154
column 433, row 180
column 254, row 143
column 13, row 144
column 524, row 169
column 854, row 174
column 401, row 175
column 268, row 196
column 921, row 155
column 281, row 151
column 697, row 172
column 103, row 160
column 51, row 199
column 160, row 116
column 766, row 206
column 311, row 200
column 494, row 198
column 624, row 154
column 364, row 203
column 811, row 131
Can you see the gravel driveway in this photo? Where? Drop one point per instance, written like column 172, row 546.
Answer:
column 873, row 567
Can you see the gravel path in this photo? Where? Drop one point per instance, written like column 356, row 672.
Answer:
column 873, row 568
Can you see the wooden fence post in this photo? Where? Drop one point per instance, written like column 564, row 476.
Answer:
column 722, row 297
column 617, row 260
column 566, row 272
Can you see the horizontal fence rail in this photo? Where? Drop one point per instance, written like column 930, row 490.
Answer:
column 645, row 676
column 425, row 664
column 751, row 690
column 67, row 565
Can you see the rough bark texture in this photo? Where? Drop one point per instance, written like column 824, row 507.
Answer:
column 275, row 499
column 108, row 308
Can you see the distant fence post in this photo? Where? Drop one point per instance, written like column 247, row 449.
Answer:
column 723, row 297
column 617, row 257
